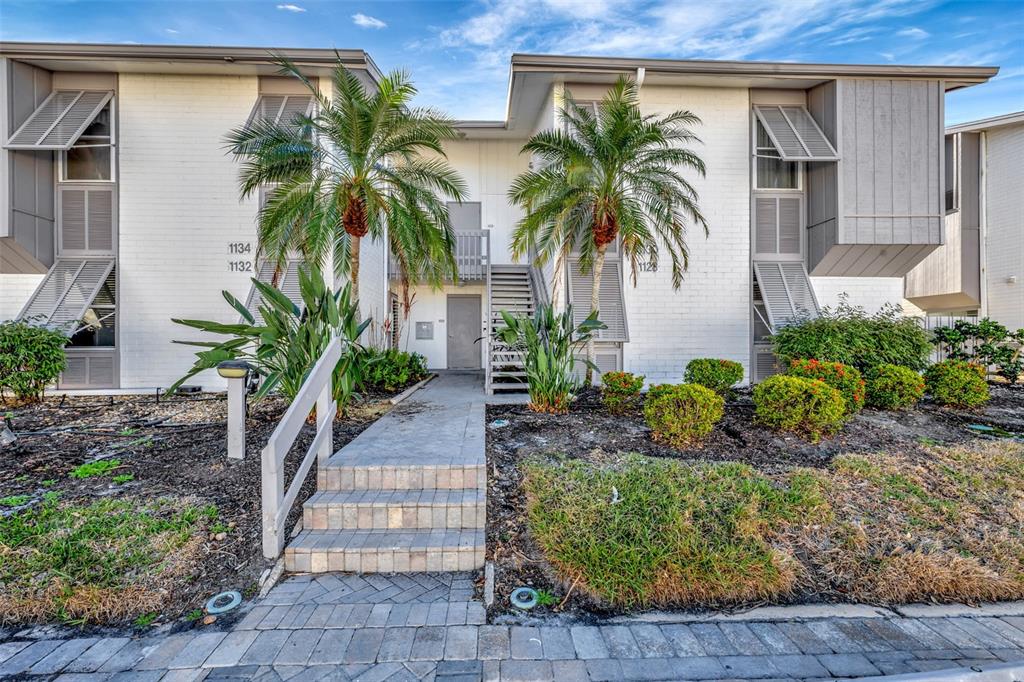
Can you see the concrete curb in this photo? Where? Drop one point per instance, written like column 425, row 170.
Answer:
column 1002, row 672
column 412, row 389
column 818, row 611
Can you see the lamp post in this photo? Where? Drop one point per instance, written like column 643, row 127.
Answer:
column 236, row 372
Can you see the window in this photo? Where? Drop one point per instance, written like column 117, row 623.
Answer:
column 91, row 157
column 952, row 174
column 772, row 171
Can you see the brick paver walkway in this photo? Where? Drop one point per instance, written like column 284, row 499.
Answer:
column 426, row 626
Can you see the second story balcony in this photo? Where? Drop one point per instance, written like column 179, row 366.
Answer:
column 472, row 256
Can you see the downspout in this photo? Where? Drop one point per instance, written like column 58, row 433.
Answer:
column 641, row 73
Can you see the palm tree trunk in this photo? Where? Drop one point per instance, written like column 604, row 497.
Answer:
column 595, row 305
column 353, row 265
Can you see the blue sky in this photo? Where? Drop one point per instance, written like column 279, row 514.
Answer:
column 458, row 51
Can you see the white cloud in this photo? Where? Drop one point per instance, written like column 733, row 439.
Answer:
column 171, row 31
column 291, row 8
column 366, row 21
column 913, row 32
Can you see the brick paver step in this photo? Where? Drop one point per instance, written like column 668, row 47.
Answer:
column 386, row 551
column 424, row 508
column 396, row 475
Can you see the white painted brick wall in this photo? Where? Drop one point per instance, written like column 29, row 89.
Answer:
column 179, row 210
column 709, row 316
column 14, row 293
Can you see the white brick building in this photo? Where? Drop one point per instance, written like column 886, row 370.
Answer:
column 162, row 224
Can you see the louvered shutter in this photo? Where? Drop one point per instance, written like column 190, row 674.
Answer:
column 281, row 108
column 612, row 311
column 68, row 289
column 778, row 224
column 88, row 368
column 795, row 134
column 287, row 284
column 786, row 292
column 60, row 120
column 86, row 220
column 765, row 362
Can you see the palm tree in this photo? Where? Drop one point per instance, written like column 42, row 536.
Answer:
column 610, row 175
column 362, row 164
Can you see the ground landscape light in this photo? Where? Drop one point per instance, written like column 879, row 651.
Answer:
column 233, row 369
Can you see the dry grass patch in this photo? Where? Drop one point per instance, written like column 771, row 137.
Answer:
column 949, row 526
column 107, row 561
column 887, row 529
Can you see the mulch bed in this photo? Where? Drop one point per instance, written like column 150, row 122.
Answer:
column 173, row 447
column 590, row 432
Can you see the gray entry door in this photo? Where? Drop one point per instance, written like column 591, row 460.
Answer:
column 463, row 332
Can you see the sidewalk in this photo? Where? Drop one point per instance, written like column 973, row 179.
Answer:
column 426, row 626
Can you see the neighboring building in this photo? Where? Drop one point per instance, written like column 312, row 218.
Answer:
column 980, row 269
column 122, row 207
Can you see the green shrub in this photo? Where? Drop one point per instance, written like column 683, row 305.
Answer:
column 392, row 369
column 805, row 406
column 891, row 387
column 718, row 375
column 651, row 532
column 31, row 357
column 957, row 383
column 845, row 379
column 682, row 415
column 986, row 343
column 284, row 349
column 620, row 391
column 549, row 343
column 847, row 334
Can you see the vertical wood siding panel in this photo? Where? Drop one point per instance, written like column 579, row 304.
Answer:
column 919, row 164
column 848, row 163
column 883, row 143
column 901, row 124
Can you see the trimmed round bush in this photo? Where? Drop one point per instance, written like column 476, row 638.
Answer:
column 957, row 383
column 681, row 415
column 31, row 357
column 891, row 387
column 621, row 391
column 718, row 375
column 843, row 378
column 805, row 406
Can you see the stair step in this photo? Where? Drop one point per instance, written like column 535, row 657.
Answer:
column 507, row 374
column 338, row 476
column 385, row 551
column 395, row 509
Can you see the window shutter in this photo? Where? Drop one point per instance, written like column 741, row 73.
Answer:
column 86, row 220
column 67, row 290
column 766, row 225
column 88, row 369
column 60, row 120
column 765, row 362
column 288, row 284
column 786, row 292
column 778, row 222
column 612, row 309
column 281, row 108
column 73, row 220
column 101, row 219
column 795, row 134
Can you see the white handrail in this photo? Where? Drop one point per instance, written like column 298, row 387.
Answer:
column 318, row 389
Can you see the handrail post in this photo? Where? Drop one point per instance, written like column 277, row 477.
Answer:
column 273, row 493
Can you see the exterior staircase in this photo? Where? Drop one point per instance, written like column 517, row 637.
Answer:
column 407, row 495
column 511, row 291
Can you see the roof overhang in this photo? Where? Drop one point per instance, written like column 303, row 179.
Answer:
column 1014, row 118
column 532, row 76
column 185, row 59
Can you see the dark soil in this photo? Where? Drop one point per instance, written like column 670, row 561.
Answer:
column 590, row 432
column 173, row 447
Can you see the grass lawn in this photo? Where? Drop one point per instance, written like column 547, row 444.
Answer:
column 939, row 522
column 98, row 561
